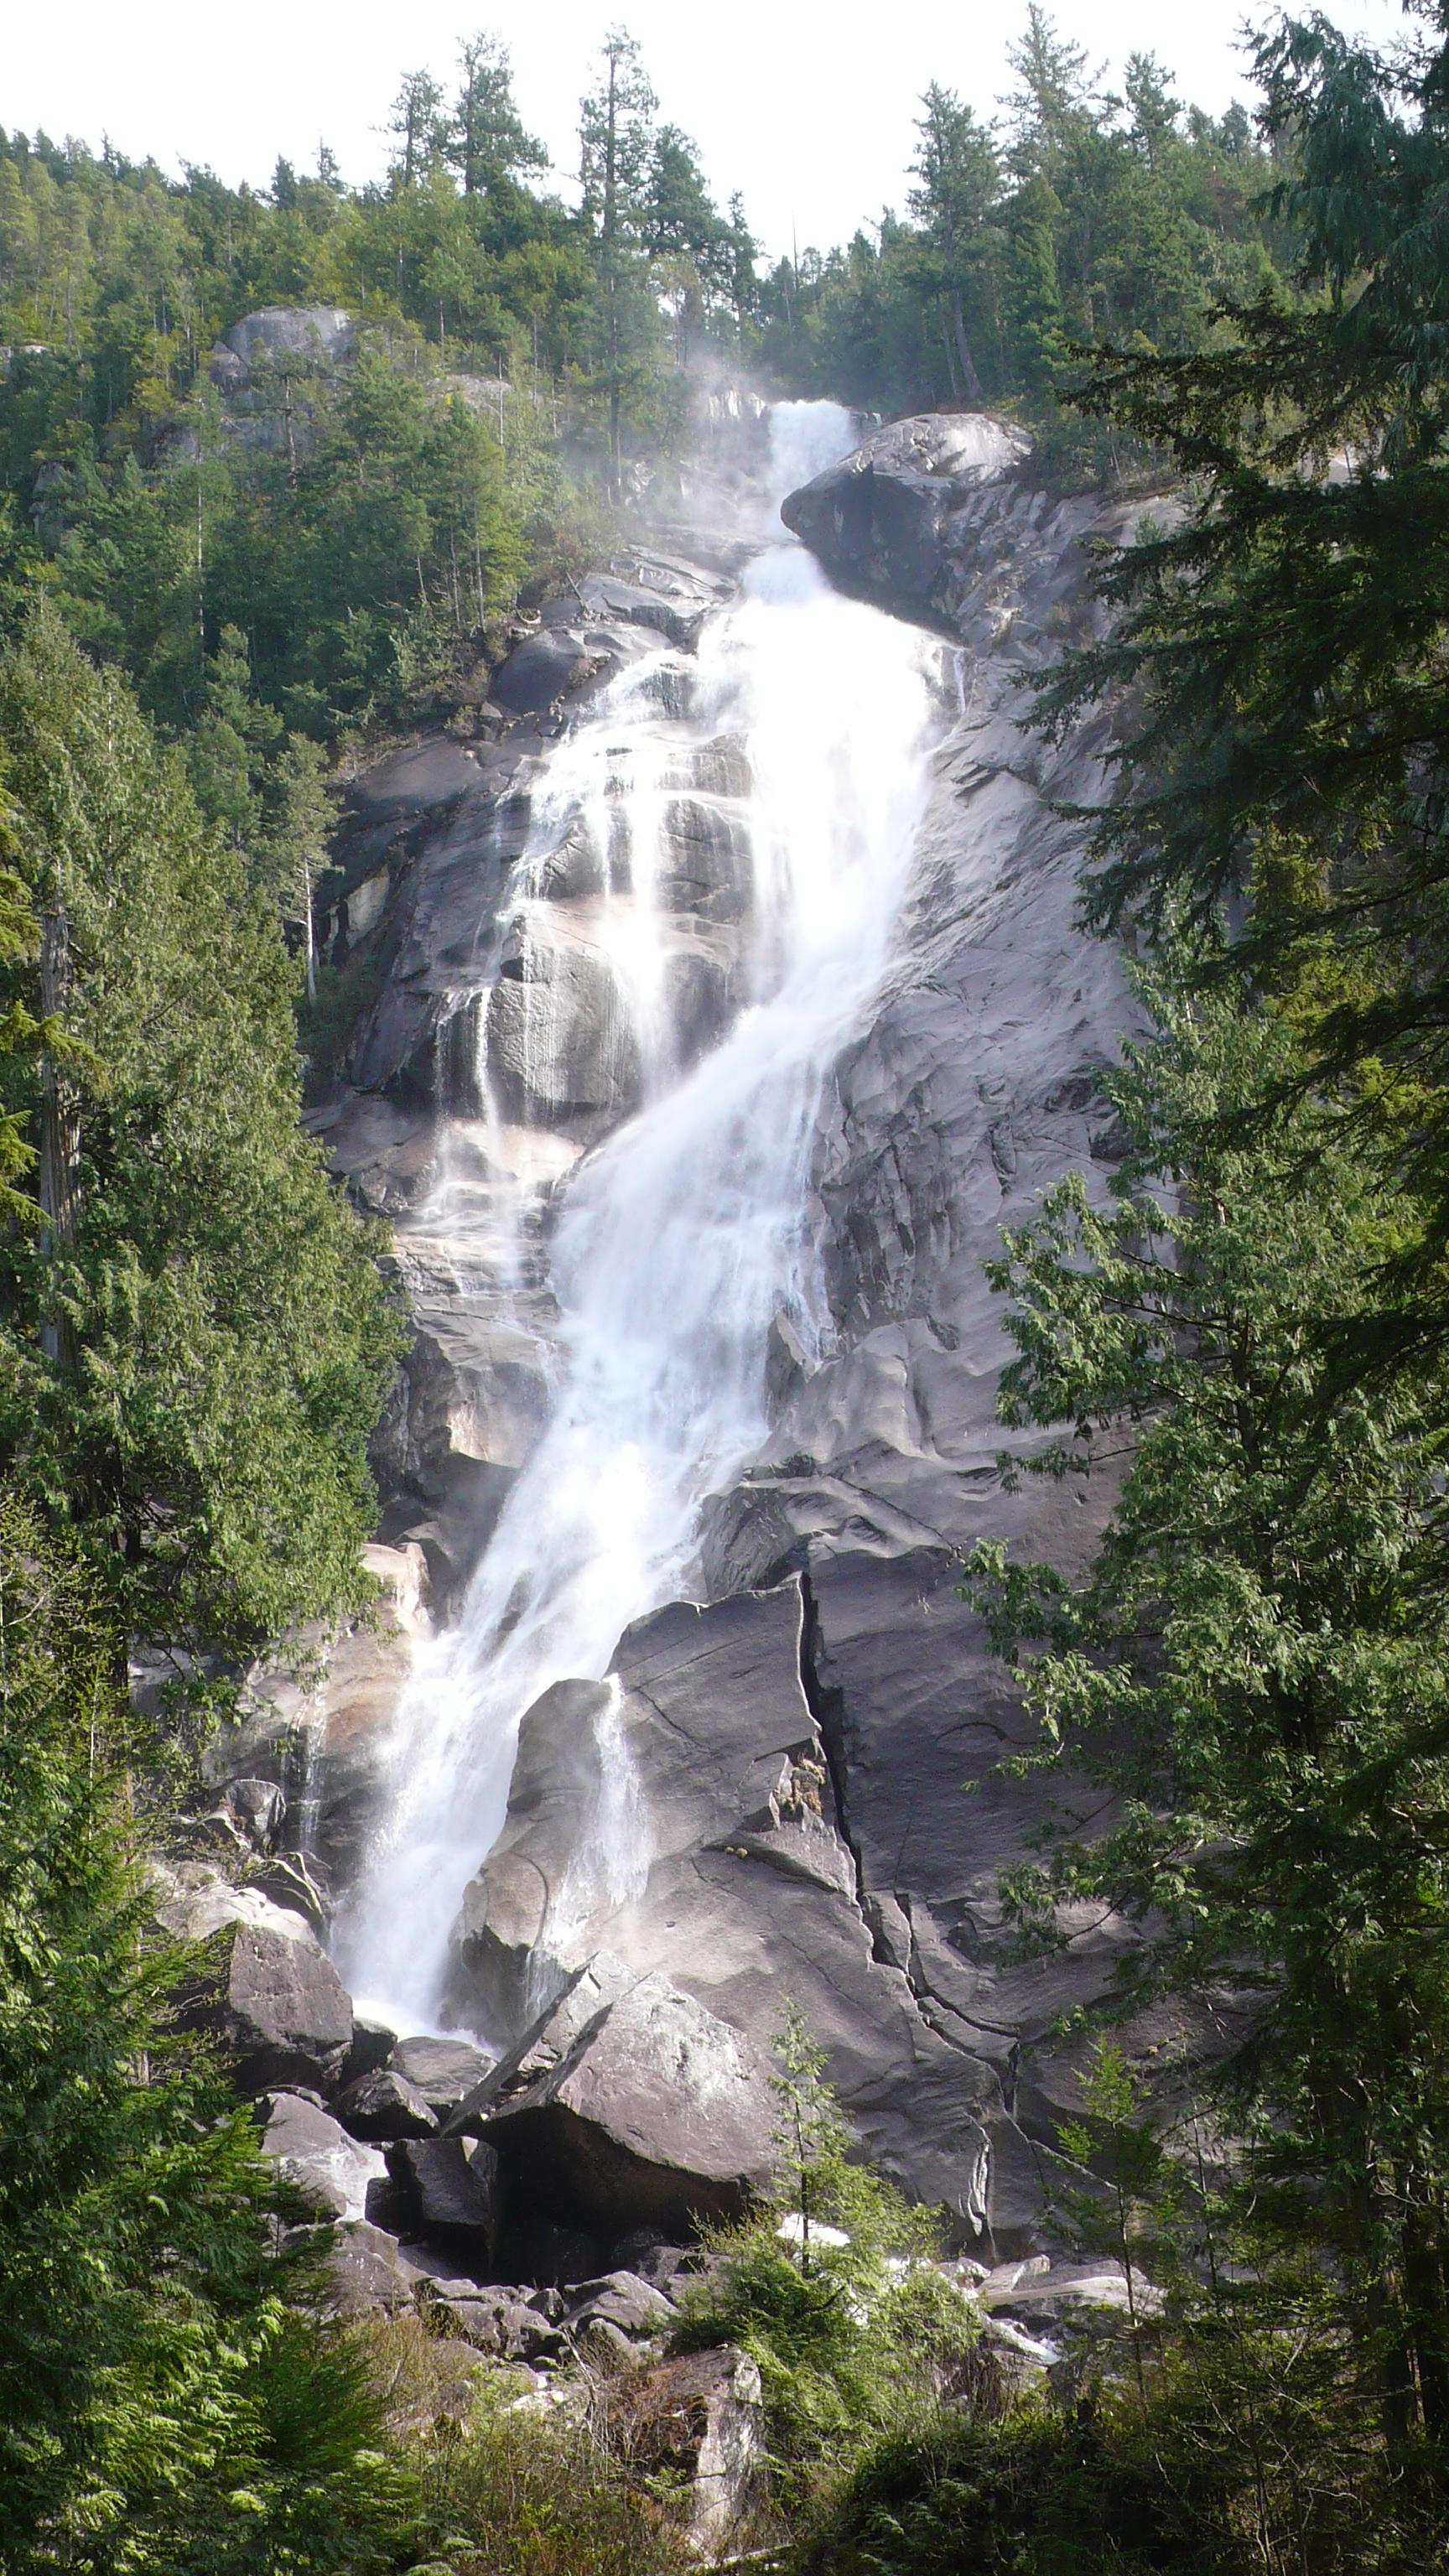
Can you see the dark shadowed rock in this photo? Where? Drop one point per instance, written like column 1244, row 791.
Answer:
column 372, row 2046
column 496, row 2320
column 384, row 2105
column 877, row 519
column 539, row 670
column 448, row 2193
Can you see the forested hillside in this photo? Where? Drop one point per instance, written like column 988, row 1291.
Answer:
column 285, row 474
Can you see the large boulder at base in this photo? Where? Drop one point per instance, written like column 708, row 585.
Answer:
column 700, row 2419
column 448, row 2193
column 875, row 520
column 284, row 2012
column 652, row 2113
column 269, row 1991
column 329, row 2169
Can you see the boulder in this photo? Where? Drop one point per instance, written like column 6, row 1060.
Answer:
column 655, row 2114
column 539, row 671
column 633, row 2307
column 494, row 2319
column 372, row 2046
column 443, row 2071
column 367, row 2274
column 319, row 336
column 279, row 2007
column 329, row 2168
column 195, row 1900
column 384, row 2105
column 699, row 2420
column 449, row 2193
column 249, row 1813
column 876, row 520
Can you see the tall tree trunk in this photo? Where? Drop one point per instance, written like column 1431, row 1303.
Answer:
column 59, row 1123
column 974, row 390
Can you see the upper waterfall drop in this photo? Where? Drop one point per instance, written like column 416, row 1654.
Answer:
column 675, row 1243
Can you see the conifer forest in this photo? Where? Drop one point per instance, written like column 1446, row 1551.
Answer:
column 724, row 1340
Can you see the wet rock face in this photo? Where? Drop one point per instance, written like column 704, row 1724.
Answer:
column 561, row 1047
column 816, row 1753
column 812, row 1755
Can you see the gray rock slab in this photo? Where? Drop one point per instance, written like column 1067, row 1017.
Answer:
column 383, row 2105
column 330, row 2169
column 657, row 2113
column 443, row 2071
column 279, row 2007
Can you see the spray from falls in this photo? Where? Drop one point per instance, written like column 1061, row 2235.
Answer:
column 678, row 1240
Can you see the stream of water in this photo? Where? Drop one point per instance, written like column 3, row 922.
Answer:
column 674, row 1244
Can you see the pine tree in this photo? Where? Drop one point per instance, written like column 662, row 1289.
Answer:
column 151, row 2376
column 1276, row 663
column 193, row 1352
column 1255, row 1669
column 488, row 143
column 616, row 140
column 956, row 202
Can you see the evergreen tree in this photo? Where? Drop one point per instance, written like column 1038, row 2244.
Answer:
column 152, row 2381
column 229, row 745
column 1255, row 1668
column 956, row 203
column 1054, row 96
column 616, row 154
column 419, row 123
column 193, row 1352
column 488, row 143
column 1276, row 664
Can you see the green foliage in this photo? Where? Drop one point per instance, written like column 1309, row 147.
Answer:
column 1092, row 220
column 1276, row 667
column 194, row 1347
column 162, row 2413
column 830, row 2290
column 1037, row 2494
column 508, row 2493
column 1255, row 1667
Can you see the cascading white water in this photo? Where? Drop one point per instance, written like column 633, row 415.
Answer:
column 688, row 1230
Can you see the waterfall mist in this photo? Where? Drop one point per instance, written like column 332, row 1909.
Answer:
column 675, row 1243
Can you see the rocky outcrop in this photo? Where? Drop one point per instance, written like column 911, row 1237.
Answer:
column 263, row 344
column 882, row 521
column 807, row 1758
column 628, row 2105
column 330, row 2170
column 699, row 2419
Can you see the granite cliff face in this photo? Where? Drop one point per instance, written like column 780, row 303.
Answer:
column 802, row 1756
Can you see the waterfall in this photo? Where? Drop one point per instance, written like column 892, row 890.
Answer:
column 675, row 1242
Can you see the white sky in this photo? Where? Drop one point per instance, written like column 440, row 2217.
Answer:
column 806, row 107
